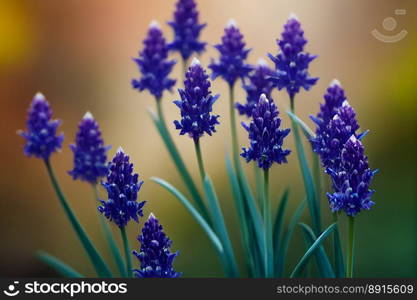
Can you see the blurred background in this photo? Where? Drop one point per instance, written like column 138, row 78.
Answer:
column 79, row 54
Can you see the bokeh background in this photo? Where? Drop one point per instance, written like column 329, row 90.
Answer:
column 79, row 54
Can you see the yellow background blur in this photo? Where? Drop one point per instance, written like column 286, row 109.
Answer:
column 78, row 53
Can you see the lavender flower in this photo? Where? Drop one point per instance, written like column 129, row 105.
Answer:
column 233, row 53
column 336, row 122
column 196, row 103
column 258, row 83
column 265, row 136
column 41, row 136
column 89, row 151
column 122, row 189
column 351, row 180
column 186, row 29
column 153, row 64
column 292, row 62
column 155, row 256
column 333, row 99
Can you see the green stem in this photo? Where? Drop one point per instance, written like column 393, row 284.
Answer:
column 235, row 143
column 350, row 247
column 268, row 228
column 96, row 259
column 182, row 169
column 337, row 250
column 127, row 252
column 199, row 159
column 259, row 185
column 317, row 179
column 309, row 185
column 109, row 237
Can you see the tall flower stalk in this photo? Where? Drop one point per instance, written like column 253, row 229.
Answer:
column 291, row 64
column 90, row 165
column 42, row 141
column 266, row 139
column 196, row 106
column 122, row 186
column 230, row 67
column 197, row 119
column 155, row 68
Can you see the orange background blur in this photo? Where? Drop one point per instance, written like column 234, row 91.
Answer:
column 78, row 53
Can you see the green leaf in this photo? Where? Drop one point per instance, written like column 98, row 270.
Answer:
column 338, row 255
column 114, row 249
column 279, row 221
column 113, row 246
column 99, row 265
column 197, row 216
column 253, row 213
column 309, row 185
column 317, row 249
column 243, row 219
column 283, row 249
column 59, row 266
column 179, row 163
column 304, row 127
column 220, row 226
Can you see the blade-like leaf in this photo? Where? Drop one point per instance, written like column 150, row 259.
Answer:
column 99, row 265
column 252, row 210
column 317, row 249
column 279, row 220
column 283, row 249
column 309, row 134
column 59, row 266
column 220, row 226
column 243, row 218
column 113, row 246
column 200, row 220
column 309, row 185
column 338, row 255
column 179, row 163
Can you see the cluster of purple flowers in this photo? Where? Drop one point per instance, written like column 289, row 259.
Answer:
column 265, row 135
column 186, row 30
column 153, row 64
column 155, row 256
column 122, row 187
column 90, row 153
column 196, row 104
column 292, row 62
column 336, row 142
column 231, row 65
column 41, row 135
column 257, row 83
column 342, row 153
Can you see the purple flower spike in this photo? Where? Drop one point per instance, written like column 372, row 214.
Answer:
column 336, row 123
column 231, row 65
column 41, row 135
column 351, row 181
column 153, row 64
column 258, row 83
column 122, row 189
column 266, row 138
column 196, row 104
column 186, row 29
column 292, row 63
column 155, row 255
column 90, row 153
